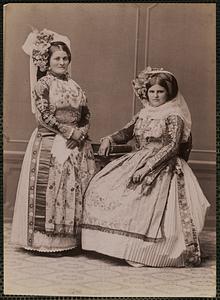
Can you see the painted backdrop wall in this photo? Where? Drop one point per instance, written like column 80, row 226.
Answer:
column 110, row 44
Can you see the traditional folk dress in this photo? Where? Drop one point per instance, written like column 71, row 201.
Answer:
column 155, row 222
column 48, row 208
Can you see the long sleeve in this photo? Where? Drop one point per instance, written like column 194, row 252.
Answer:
column 126, row 133
column 172, row 141
column 46, row 113
column 84, row 122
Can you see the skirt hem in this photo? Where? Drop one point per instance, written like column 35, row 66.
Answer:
column 132, row 249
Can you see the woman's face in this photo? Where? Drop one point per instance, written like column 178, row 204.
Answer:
column 157, row 95
column 59, row 62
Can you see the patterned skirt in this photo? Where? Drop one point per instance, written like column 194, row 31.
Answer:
column 48, row 206
column 155, row 223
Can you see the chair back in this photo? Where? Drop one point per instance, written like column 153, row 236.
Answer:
column 185, row 149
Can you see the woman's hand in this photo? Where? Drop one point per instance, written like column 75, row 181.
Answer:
column 104, row 147
column 76, row 137
column 78, row 134
column 139, row 175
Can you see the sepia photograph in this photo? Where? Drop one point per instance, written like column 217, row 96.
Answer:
column 109, row 153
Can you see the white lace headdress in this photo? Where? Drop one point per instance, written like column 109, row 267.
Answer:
column 36, row 46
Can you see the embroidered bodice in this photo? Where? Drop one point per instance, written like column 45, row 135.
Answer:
column 148, row 130
column 61, row 104
column 159, row 137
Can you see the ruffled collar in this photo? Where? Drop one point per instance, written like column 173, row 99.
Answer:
column 177, row 106
column 161, row 110
column 64, row 76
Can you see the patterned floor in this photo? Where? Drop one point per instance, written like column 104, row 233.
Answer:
column 89, row 274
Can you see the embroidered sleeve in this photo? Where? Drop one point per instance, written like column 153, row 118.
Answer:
column 172, row 141
column 46, row 113
column 84, row 122
column 125, row 134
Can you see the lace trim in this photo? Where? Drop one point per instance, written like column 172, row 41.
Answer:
column 49, row 251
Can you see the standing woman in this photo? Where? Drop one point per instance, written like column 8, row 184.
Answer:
column 59, row 161
column 147, row 207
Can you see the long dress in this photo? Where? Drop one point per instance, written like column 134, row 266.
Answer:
column 53, row 179
column 156, row 222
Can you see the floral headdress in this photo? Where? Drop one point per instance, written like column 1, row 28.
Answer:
column 36, row 46
column 40, row 51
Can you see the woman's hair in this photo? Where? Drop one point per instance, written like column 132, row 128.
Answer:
column 54, row 46
column 58, row 46
column 144, row 81
column 166, row 80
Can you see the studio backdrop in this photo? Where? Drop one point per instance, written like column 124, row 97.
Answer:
column 110, row 44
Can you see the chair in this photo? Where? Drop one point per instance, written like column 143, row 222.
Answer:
column 185, row 149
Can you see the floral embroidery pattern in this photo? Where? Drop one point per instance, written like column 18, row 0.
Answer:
column 40, row 51
column 60, row 104
column 55, row 197
column 192, row 253
column 32, row 189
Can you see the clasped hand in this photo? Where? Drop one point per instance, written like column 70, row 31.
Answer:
column 77, row 137
column 139, row 174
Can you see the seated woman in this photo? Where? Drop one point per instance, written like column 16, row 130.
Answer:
column 147, row 207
